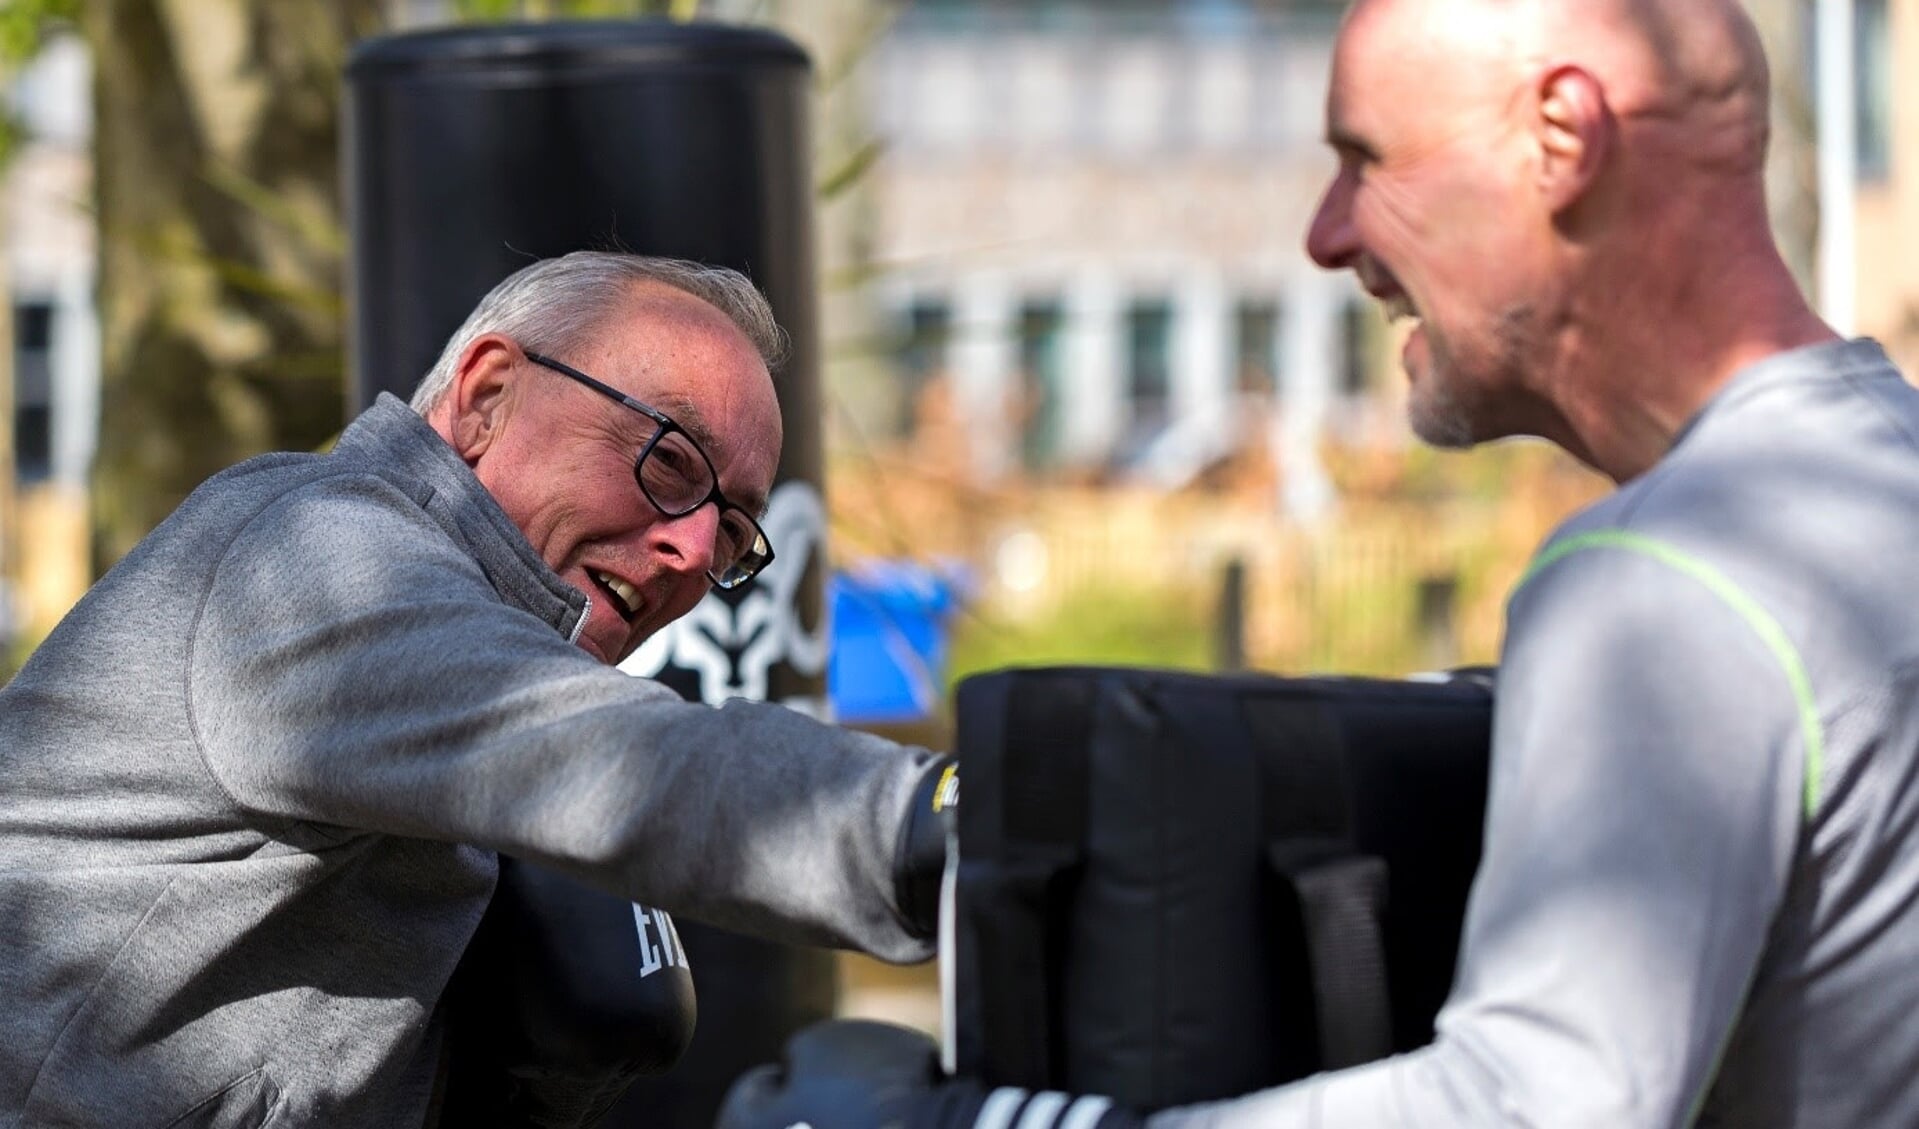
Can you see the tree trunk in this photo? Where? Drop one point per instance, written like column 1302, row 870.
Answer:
column 221, row 249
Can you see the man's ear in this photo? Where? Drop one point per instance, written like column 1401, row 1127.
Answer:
column 481, row 396
column 1576, row 131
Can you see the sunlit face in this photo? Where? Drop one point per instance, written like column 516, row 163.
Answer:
column 559, row 459
column 1426, row 210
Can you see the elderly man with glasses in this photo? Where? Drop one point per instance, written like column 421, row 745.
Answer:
column 254, row 789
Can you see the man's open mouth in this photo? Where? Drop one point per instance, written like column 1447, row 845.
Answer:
column 1398, row 308
column 624, row 597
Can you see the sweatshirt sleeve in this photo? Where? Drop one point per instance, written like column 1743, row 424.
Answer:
column 363, row 675
column 1649, row 757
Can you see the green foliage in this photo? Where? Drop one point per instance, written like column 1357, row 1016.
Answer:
column 851, row 170
column 24, row 27
column 1100, row 625
column 488, row 11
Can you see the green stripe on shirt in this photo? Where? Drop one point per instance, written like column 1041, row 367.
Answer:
column 1756, row 617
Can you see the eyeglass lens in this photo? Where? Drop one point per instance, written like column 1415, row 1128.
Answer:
column 675, row 475
column 678, row 479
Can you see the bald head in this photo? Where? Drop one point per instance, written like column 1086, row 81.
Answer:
column 1695, row 66
column 1566, row 196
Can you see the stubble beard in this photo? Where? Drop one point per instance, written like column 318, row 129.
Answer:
column 1437, row 414
column 1441, row 410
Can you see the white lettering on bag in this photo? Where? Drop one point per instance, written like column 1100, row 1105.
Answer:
column 666, row 952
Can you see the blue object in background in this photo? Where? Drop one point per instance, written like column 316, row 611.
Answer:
column 888, row 663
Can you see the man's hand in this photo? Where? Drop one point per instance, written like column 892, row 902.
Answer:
column 857, row 1074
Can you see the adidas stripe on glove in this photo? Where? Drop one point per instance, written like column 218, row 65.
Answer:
column 857, row 1074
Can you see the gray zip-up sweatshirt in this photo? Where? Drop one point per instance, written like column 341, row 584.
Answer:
column 251, row 791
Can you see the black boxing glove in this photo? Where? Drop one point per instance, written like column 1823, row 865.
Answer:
column 930, row 831
column 857, row 1074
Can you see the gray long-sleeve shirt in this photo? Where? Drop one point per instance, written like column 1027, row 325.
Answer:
column 251, row 791
column 1700, row 894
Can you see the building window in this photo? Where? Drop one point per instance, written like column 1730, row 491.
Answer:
column 1149, row 365
column 950, row 96
column 1136, row 97
column 921, row 359
column 1256, row 330
column 1042, row 375
column 948, row 15
column 1872, row 95
column 1224, row 19
column 1221, row 95
column 32, row 391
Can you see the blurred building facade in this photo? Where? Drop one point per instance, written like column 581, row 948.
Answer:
column 50, row 270
column 1088, row 234
column 1087, row 243
column 1887, row 101
column 1090, row 215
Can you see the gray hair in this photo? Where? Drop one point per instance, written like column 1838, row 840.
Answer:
column 551, row 305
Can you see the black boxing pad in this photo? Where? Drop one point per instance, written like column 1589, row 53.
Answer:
column 565, row 996
column 1174, row 887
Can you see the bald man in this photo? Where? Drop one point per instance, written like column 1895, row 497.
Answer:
column 1699, row 901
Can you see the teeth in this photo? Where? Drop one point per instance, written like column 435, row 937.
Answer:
column 629, row 595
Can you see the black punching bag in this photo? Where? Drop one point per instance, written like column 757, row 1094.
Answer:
column 472, row 151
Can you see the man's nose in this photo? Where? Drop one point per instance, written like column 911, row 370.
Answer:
column 1331, row 240
column 686, row 542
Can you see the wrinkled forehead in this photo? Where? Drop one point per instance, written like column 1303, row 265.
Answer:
column 1401, row 62
column 698, row 367
column 688, row 351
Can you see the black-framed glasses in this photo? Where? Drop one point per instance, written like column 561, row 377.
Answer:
column 677, row 477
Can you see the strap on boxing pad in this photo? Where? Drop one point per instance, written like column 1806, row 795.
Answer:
column 1339, row 894
column 1043, row 786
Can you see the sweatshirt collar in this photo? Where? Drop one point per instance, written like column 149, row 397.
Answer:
column 402, row 445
